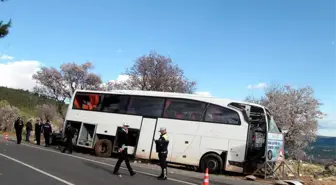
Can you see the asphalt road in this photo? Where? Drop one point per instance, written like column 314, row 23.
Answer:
column 31, row 165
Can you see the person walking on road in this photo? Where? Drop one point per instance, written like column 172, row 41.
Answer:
column 69, row 134
column 18, row 126
column 122, row 142
column 29, row 128
column 162, row 150
column 47, row 130
column 38, row 131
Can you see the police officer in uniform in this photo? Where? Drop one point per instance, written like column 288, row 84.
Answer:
column 122, row 142
column 162, row 150
column 69, row 134
column 47, row 130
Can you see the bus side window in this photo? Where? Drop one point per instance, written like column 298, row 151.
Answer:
column 184, row 109
column 114, row 103
column 223, row 115
column 146, row 106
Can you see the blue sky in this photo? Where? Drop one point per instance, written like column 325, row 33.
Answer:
column 223, row 45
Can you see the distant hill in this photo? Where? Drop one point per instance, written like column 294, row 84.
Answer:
column 24, row 100
column 323, row 148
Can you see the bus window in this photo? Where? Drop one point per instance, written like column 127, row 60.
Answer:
column 184, row 109
column 85, row 101
column 114, row 103
column 146, row 106
column 217, row 114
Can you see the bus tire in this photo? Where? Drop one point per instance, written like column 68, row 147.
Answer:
column 103, row 148
column 213, row 162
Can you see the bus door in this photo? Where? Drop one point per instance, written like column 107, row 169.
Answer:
column 145, row 142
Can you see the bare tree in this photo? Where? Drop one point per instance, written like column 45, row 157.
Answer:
column 50, row 84
column 78, row 77
column 46, row 112
column 155, row 72
column 60, row 85
column 8, row 115
column 4, row 27
column 294, row 110
column 123, row 85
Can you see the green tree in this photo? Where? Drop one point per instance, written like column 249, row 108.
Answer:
column 4, row 27
column 4, row 103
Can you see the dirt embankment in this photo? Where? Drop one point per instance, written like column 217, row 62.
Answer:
column 307, row 180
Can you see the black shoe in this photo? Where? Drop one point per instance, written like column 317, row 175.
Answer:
column 132, row 173
column 160, row 176
column 116, row 173
column 163, row 178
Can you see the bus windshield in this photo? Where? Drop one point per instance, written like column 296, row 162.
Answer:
column 272, row 126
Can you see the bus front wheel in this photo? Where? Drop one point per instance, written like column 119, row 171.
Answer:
column 213, row 162
column 103, row 148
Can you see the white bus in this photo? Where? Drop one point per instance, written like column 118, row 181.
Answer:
column 204, row 131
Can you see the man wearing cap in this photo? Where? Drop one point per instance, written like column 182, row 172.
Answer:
column 122, row 142
column 162, row 150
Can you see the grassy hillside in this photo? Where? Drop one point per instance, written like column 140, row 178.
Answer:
column 24, row 100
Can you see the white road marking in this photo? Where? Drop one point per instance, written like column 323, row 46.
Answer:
column 36, row 169
column 106, row 164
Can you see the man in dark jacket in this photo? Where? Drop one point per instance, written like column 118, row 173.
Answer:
column 122, row 141
column 18, row 126
column 69, row 134
column 38, row 131
column 47, row 130
column 29, row 128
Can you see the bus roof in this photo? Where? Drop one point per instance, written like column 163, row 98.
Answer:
column 209, row 99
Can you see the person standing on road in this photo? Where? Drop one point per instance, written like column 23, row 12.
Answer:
column 122, row 142
column 38, row 130
column 69, row 134
column 162, row 150
column 18, row 126
column 29, row 128
column 47, row 130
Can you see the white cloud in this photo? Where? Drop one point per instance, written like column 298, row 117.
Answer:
column 327, row 126
column 18, row 74
column 327, row 132
column 120, row 79
column 120, row 50
column 6, row 57
column 257, row 86
column 203, row 93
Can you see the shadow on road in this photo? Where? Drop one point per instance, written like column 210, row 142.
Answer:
column 99, row 167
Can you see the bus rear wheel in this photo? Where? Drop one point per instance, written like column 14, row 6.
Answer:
column 103, row 148
column 213, row 162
